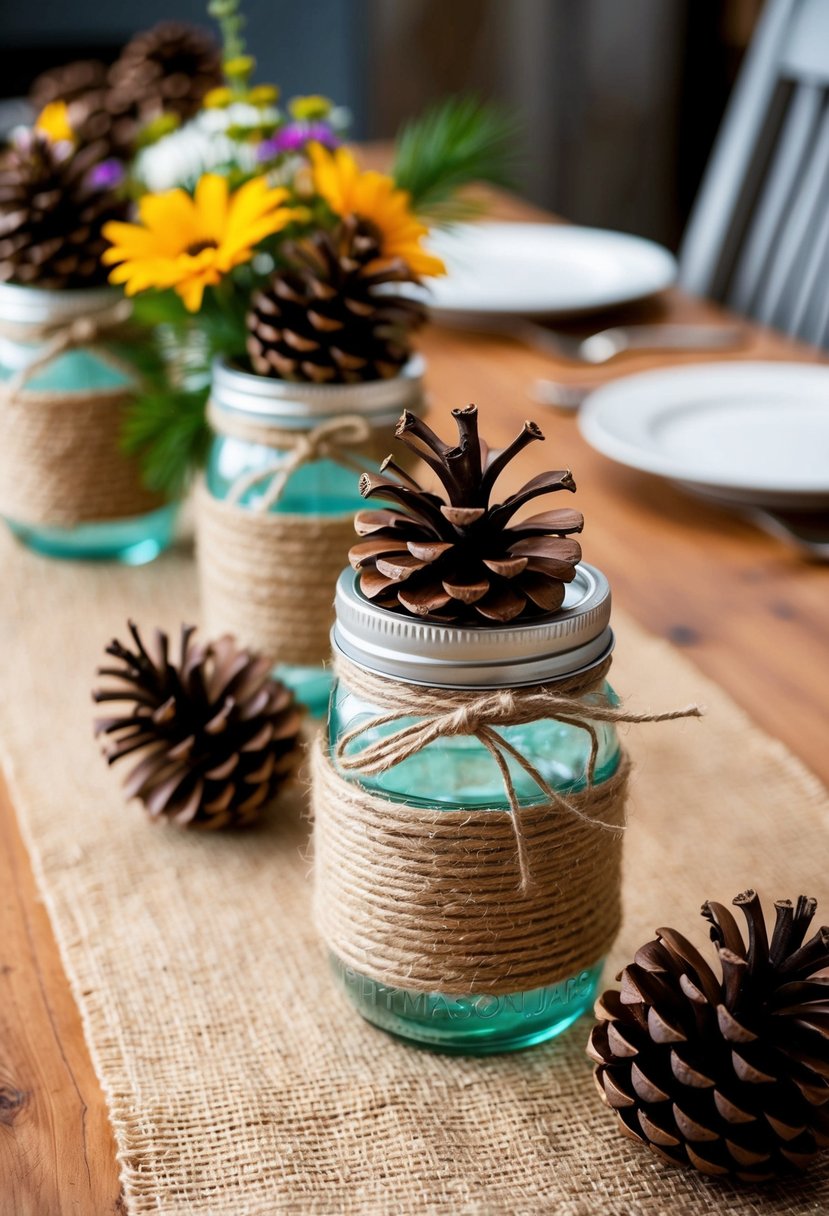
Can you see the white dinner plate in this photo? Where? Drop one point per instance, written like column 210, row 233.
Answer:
column 543, row 269
column 739, row 432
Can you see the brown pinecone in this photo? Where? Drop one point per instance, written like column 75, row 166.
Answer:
column 51, row 215
column 165, row 70
column 461, row 558
column 328, row 316
column 71, row 82
column 215, row 735
column 730, row 1074
column 96, row 115
column 108, row 120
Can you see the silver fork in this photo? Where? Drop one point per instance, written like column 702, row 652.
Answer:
column 807, row 531
column 605, row 345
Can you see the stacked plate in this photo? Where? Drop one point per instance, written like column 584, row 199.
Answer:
column 549, row 270
column 751, row 434
column 745, row 433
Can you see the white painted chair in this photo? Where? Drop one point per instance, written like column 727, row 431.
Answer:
column 758, row 237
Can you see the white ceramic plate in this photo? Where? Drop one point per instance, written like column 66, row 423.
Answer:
column 543, row 269
column 740, row 432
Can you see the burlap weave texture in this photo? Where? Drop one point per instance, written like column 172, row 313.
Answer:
column 239, row 1084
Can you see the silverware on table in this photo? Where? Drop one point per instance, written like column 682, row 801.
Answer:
column 807, row 531
column 605, row 345
column 608, row 343
column 559, row 396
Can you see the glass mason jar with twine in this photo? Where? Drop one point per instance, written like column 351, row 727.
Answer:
column 469, row 806
column 275, row 510
column 67, row 489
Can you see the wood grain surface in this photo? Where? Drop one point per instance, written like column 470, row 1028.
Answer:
column 749, row 611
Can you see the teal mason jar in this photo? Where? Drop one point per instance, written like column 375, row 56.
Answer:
column 274, row 526
column 67, row 489
column 457, row 773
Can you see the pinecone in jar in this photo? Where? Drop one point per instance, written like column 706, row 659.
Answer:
column 331, row 314
column 51, row 214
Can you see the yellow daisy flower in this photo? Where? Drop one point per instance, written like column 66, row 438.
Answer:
column 374, row 197
column 53, row 122
column 189, row 244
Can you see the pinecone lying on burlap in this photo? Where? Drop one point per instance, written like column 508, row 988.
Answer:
column 729, row 1074
column 51, row 215
column 214, row 734
column 324, row 318
column 460, row 557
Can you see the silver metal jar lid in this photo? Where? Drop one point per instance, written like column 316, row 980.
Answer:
column 573, row 639
column 38, row 306
column 289, row 406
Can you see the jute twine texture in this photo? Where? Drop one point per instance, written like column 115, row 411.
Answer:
column 479, row 900
column 269, row 576
column 431, row 900
column 239, row 1081
column 61, row 460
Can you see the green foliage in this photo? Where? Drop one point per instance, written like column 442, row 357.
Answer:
column 167, row 430
column 165, row 427
column 457, row 142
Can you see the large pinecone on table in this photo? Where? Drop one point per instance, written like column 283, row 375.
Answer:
column 729, row 1074
column 215, row 735
column 461, row 558
column 329, row 316
column 166, row 70
column 51, row 215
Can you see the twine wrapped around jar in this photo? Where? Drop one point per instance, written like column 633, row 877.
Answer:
column 468, row 901
column 61, row 458
column 268, row 576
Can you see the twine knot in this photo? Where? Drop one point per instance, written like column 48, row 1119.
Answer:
column 326, row 441
column 81, row 331
column 443, row 712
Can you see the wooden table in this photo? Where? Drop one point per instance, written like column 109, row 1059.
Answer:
column 747, row 610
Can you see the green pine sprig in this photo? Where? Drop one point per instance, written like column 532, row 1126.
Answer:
column 167, row 430
column 455, row 143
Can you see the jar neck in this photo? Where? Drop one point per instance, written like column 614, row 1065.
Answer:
column 239, row 398
column 376, row 682
column 31, row 317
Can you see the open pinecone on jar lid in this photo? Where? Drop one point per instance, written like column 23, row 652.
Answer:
column 215, row 735
column 728, row 1073
column 328, row 316
column 52, row 213
column 458, row 557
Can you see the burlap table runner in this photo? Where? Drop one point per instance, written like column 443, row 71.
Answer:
column 238, row 1082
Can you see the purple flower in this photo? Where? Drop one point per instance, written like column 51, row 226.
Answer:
column 294, row 136
column 107, row 175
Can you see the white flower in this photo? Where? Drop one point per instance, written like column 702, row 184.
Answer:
column 201, row 145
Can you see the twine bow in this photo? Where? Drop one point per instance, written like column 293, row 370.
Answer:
column 323, row 442
column 443, row 713
column 82, row 331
